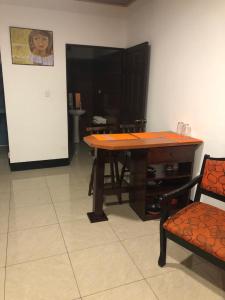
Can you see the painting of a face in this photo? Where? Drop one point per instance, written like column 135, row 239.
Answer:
column 32, row 46
column 40, row 42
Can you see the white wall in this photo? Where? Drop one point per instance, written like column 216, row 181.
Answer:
column 37, row 125
column 187, row 73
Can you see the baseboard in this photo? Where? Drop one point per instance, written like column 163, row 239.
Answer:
column 28, row 165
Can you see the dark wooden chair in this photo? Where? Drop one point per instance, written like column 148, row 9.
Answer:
column 110, row 158
column 138, row 126
column 199, row 227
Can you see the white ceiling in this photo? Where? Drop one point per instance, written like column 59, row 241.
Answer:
column 65, row 3
column 78, row 6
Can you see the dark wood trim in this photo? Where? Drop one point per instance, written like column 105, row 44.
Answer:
column 94, row 218
column 92, row 46
column 29, row 165
column 138, row 174
column 97, row 214
column 137, row 46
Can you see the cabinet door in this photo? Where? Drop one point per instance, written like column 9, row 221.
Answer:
column 136, row 71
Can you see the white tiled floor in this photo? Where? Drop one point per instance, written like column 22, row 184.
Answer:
column 50, row 251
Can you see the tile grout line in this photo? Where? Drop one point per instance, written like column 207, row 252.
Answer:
column 7, row 240
column 113, row 288
column 125, row 249
column 34, row 260
column 65, row 244
column 60, row 228
column 141, row 236
column 89, row 248
column 151, row 288
column 32, row 228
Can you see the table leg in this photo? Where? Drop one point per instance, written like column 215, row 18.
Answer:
column 98, row 215
column 138, row 169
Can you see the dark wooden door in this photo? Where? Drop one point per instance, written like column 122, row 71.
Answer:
column 136, row 72
column 108, row 85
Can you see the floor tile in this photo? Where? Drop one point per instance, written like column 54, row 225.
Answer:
column 3, row 244
column 2, row 283
column 127, row 224
column 31, row 216
column 103, row 267
column 135, row 291
column 186, row 284
column 32, row 244
column 29, row 197
column 72, row 210
column 82, row 234
column 5, row 185
column 213, row 273
column 54, row 181
column 105, row 270
column 145, row 253
column 4, row 223
column 47, row 279
column 4, row 211
column 28, row 183
column 4, row 202
column 27, row 174
column 69, row 193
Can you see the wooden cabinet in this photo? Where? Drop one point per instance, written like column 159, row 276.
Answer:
column 156, row 171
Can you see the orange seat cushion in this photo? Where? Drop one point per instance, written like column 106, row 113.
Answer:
column 202, row 225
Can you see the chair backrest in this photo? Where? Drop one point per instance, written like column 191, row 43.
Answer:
column 101, row 129
column 213, row 179
column 138, row 126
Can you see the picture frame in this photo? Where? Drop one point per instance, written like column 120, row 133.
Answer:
column 31, row 46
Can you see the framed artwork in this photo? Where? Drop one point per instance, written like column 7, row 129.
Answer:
column 31, row 46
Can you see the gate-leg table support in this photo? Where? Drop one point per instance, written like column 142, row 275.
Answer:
column 97, row 214
column 138, row 174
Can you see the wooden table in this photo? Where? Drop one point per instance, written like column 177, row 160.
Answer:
column 146, row 148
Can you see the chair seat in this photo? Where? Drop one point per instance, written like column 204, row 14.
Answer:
column 202, row 225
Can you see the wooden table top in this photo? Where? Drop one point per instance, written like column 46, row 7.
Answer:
column 139, row 140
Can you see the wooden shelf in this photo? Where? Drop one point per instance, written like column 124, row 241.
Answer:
column 161, row 173
column 160, row 180
column 152, row 216
column 162, row 188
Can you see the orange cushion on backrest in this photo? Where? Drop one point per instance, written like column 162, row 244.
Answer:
column 214, row 176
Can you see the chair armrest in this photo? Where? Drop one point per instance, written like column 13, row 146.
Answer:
column 165, row 198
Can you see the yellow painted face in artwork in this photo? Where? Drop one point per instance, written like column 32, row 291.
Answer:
column 40, row 43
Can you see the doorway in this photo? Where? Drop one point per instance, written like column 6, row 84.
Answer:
column 105, row 86
column 3, row 121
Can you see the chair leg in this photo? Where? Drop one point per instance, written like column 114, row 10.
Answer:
column 92, row 178
column 112, row 175
column 163, row 243
column 117, row 171
column 123, row 171
column 119, row 194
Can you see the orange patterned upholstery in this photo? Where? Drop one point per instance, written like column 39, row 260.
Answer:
column 202, row 225
column 214, row 176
